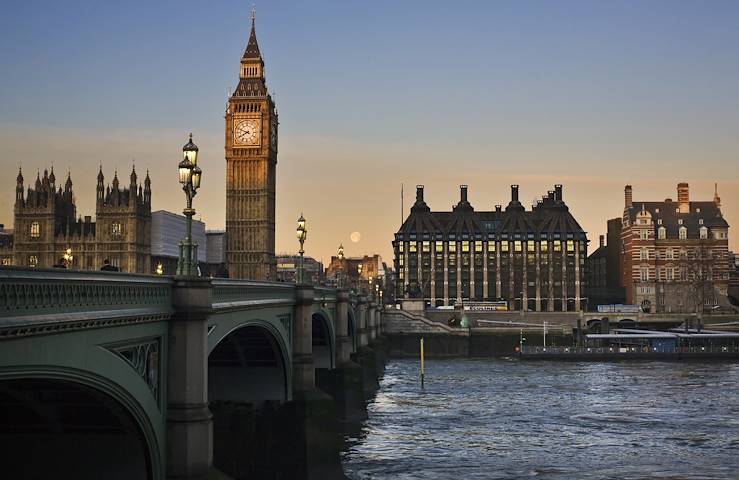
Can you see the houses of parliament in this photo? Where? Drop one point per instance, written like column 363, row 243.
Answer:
column 47, row 224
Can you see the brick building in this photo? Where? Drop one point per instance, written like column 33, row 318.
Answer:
column 675, row 253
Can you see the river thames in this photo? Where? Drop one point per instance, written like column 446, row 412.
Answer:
column 506, row 419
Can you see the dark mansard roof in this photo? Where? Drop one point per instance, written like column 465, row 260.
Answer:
column 666, row 214
column 550, row 217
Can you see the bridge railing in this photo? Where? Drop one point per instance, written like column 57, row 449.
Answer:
column 226, row 291
column 59, row 295
column 324, row 294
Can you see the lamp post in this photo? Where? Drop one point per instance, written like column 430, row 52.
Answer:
column 359, row 280
column 340, row 282
column 68, row 257
column 302, row 233
column 190, row 175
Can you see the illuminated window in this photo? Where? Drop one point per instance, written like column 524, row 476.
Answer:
column 570, row 246
column 426, row 247
column 400, row 246
column 478, row 246
column 465, row 247
column 401, row 261
column 491, row 246
column 531, row 245
column 439, row 247
column 517, row 246
column 503, row 246
column 557, row 246
column 544, row 246
column 35, row 230
column 116, row 229
column 412, row 246
column 32, row 261
column 6, row 261
column 400, row 274
column 452, row 246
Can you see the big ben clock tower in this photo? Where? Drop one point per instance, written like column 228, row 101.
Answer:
column 251, row 159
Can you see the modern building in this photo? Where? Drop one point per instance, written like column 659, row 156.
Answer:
column 215, row 255
column 675, row 253
column 529, row 259
column 167, row 231
column 287, row 269
column 47, row 225
column 251, row 160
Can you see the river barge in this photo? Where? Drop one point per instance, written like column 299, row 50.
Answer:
column 634, row 344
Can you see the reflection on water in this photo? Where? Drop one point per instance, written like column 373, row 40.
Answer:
column 496, row 419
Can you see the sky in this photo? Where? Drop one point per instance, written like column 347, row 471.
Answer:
column 592, row 95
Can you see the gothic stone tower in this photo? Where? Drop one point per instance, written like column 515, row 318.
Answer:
column 251, row 159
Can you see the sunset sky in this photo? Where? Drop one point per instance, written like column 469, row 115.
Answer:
column 592, row 95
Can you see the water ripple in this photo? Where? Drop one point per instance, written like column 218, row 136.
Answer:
column 503, row 419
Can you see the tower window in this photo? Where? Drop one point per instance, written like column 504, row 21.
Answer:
column 116, row 229
column 32, row 261
column 35, row 230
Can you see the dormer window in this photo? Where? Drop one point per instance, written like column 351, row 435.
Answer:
column 703, row 233
column 700, row 221
column 697, row 210
column 656, row 210
column 679, row 221
column 683, row 233
column 661, row 233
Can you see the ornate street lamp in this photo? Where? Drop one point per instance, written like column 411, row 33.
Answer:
column 160, row 269
column 190, row 175
column 68, row 257
column 302, row 234
column 341, row 266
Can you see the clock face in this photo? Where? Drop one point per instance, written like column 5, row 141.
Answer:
column 246, row 132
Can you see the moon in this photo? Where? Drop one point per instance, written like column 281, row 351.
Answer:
column 355, row 237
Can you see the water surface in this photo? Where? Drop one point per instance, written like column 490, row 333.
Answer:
column 506, row 419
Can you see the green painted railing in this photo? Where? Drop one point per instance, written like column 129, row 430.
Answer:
column 25, row 292
column 231, row 291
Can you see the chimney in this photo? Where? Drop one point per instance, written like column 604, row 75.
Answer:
column 88, row 218
column 498, row 208
column 602, row 240
column 419, row 193
column 463, row 193
column 628, row 196
column 514, row 193
column 716, row 198
column 550, row 196
column 683, row 197
column 558, row 193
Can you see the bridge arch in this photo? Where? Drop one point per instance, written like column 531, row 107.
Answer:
column 324, row 340
column 249, row 363
column 63, row 409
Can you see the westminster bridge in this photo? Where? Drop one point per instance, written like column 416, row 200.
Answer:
column 114, row 375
